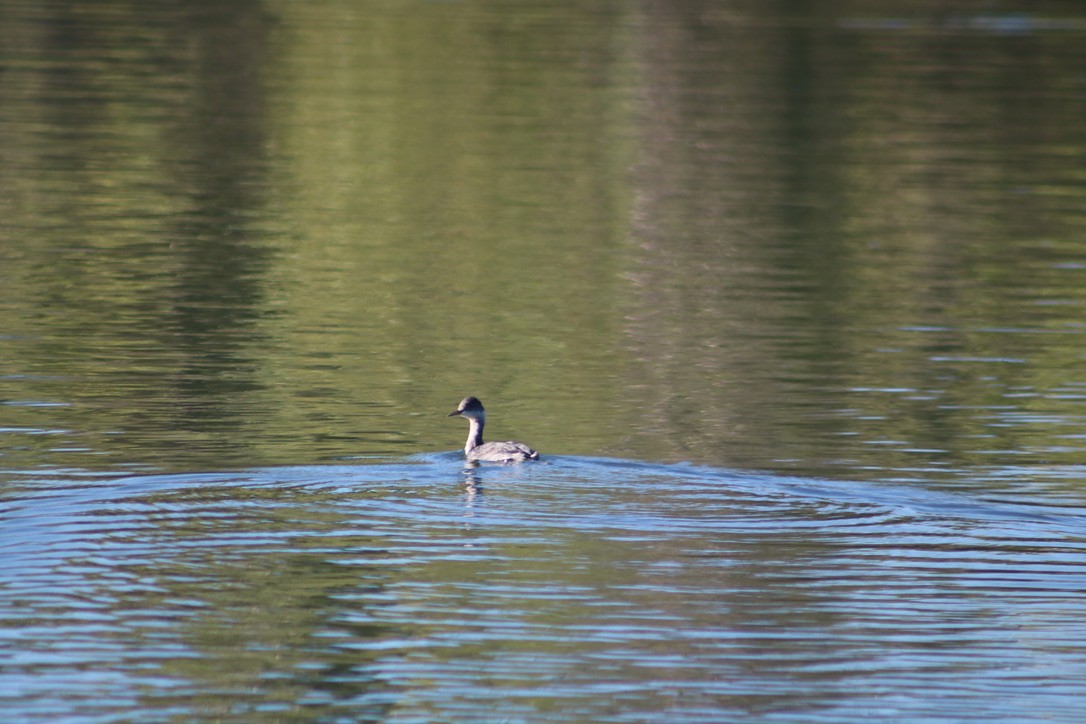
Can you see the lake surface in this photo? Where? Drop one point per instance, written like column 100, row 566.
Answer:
column 790, row 296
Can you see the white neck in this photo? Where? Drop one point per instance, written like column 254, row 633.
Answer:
column 475, row 433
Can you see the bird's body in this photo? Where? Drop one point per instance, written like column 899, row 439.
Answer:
column 475, row 449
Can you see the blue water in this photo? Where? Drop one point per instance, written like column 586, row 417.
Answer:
column 576, row 589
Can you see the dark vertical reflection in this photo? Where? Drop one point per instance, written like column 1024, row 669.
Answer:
column 709, row 177
column 219, row 160
column 141, row 170
column 839, row 210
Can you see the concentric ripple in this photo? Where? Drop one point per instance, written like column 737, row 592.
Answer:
column 584, row 589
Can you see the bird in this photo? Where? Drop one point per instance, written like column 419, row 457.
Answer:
column 476, row 449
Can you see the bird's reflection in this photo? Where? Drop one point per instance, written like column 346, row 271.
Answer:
column 473, row 486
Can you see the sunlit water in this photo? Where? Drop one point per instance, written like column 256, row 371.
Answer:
column 579, row 589
column 788, row 295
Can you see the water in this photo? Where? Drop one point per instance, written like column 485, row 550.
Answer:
column 585, row 589
column 788, row 297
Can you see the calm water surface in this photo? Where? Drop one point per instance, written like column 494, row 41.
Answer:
column 789, row 297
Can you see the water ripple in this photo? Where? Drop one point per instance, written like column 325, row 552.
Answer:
column 419, row 587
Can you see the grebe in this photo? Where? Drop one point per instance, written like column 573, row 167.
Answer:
column 476, row 449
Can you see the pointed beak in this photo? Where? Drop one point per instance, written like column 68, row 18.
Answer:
column 454, row 413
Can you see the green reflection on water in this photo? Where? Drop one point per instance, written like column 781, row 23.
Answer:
column 286, row 232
